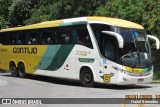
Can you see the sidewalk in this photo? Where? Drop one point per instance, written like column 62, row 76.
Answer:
column 156, row 82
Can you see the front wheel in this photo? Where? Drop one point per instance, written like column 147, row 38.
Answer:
column 86, row 77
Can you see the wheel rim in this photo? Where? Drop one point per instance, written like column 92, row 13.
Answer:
column 13, row 70
column 21, row 70
column 88, row 78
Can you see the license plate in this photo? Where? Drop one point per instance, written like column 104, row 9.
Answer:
column 140, row 80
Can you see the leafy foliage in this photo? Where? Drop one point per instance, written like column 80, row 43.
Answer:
column 126, row 9
column 19, row 11
column 151, row 17
column 3, row 23
column 60, row 9
column 4, row 4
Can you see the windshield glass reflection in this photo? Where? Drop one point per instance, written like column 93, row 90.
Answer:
column 136, row 51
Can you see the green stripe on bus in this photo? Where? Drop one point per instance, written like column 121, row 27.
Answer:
column 48, row 56
column 56, row 57
column 147, row 69
column 79, row 23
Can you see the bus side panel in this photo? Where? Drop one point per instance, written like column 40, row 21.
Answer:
column 78, row 57
column 57, row 61
column 30, row 55
column 86, row 57
column 4, row 58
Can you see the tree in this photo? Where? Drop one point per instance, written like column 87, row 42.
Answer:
column 151, row 16
column 44, row 13
column 126, row 9
column 4, row 4
column 3, row 23
column 19, row 11
column 61, row 9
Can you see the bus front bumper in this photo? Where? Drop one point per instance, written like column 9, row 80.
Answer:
column 134, row 79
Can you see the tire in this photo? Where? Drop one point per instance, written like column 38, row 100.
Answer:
column 86, row 77
column 21, row 71
column 13, row 70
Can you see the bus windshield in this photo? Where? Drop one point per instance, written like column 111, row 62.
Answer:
column 136, row 51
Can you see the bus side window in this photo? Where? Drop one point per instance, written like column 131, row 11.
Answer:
column 22, row 38
column 83, row 37
column 4, row 38
column 64, row 35
column 65, row 38
column 46, row 37
column 74, row 36
column 32, row 39
column 54, row 37
column 98, row 28
column 12, row 38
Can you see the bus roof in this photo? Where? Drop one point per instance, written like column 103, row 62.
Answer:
column 71, row 21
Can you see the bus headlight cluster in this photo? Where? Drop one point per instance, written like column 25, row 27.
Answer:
column 124, row 71
column 121, row 70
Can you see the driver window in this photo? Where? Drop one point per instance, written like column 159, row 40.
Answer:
column 109, row 51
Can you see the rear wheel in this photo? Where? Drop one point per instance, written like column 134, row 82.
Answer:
column 13, row 70
column 86, row 77
column 21, row 70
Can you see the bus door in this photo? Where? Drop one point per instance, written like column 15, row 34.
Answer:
column 109, row 53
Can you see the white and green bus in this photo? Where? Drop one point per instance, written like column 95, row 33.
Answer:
column 89, row 49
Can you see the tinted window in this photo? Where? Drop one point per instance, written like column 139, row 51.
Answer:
column 47, row 37
column 98, row 28
column 109, row 49
column 33, row 38
column 81, row 36
column 22, row 38
column 3, row 38
column 64, row 35
column 77, row 34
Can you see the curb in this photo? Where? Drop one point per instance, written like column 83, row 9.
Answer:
column 156, row 81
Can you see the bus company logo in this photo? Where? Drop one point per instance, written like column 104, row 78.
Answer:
column 6, row 101
column 25, row 50
column 83, row 53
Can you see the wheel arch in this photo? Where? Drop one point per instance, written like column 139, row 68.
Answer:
column 22, row 62
column 91, row 69
column 13, row 62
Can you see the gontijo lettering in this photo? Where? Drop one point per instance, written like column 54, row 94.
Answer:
column 25, row 50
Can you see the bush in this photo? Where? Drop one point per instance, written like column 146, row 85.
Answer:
column 156, row 75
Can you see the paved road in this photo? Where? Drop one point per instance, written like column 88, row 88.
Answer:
column 46, row 87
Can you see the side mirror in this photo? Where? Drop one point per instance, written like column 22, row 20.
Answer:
column 118, row 37
column 156, row 39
